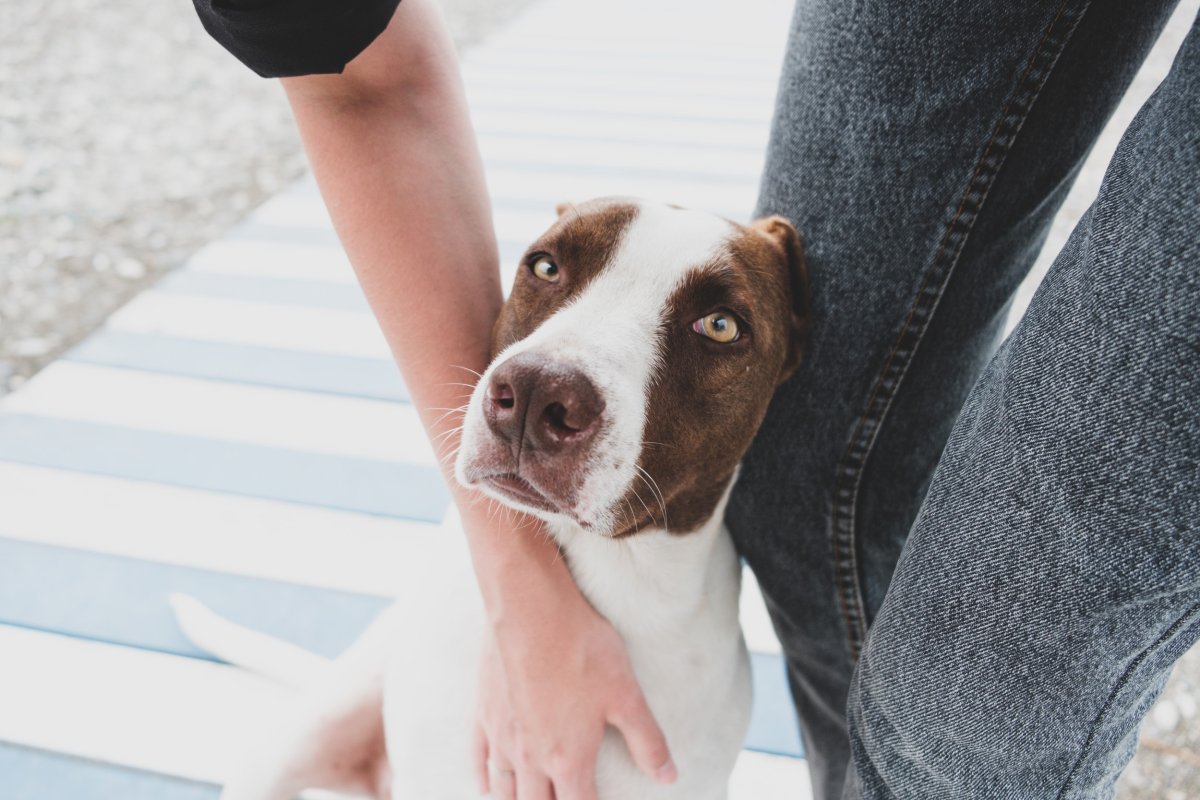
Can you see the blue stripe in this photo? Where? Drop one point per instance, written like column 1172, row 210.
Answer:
column 28, row 774
column 119, row 600
column 773, row 726
column 350, row 484
column 41, row 586
column 373, row 378
column 310, row 294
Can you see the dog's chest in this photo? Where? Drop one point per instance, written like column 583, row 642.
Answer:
column 674, row 601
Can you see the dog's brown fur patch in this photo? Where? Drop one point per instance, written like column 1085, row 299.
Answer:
column 709, row 398
column 581, row 243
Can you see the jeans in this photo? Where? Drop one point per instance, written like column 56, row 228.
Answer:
column 982, row 557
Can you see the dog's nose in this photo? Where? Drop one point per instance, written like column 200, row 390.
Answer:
column 549, row 407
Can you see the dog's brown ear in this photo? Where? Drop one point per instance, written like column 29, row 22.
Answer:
column 564, row 207
column 784, row 235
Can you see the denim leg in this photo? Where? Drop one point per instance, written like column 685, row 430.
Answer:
column 1052, row 575
column 922, row 147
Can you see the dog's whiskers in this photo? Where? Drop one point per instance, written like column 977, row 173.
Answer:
column 468, row 369
column 649, row 513
column 653, row 485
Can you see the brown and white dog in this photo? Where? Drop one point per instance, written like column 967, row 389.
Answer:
column 634, row 361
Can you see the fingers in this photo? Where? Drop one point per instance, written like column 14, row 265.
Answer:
column 479, row 757
column 646, row 742
column 576, row 783
column 501, row 776
column 532, row 785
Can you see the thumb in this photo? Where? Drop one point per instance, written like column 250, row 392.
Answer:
column 645, row 739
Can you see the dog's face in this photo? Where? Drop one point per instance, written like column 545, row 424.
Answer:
column 634, row 361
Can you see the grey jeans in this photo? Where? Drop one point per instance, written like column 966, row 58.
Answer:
column 982, row 557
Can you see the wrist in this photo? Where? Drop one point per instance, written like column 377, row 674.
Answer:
column 520, row 570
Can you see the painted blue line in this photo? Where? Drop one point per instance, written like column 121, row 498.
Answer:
column 373, row 378
column 119, row 600
column 349, row 484
column 29, row 774
column 773, row 725
column 310, row 294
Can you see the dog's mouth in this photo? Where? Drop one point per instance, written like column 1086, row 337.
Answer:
column 515, row 488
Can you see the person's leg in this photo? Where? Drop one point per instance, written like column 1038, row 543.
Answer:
column 922, row 149
column 1052, row 576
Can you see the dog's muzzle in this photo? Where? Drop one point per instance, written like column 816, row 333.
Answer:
column 543, row 417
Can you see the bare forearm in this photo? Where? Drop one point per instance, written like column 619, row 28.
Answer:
column 399, row 170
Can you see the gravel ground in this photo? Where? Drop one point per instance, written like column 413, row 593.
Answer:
column 128, row 139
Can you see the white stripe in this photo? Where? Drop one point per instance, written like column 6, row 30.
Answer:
column 759, row 776
column 293, row 209
column 261, row 324
column 591, row 80
column 565, row 154
column 244, row 536
column 599, row 126
column 756, row 623
column 274, row 260
column 552, row 186
column 306, row 421
column 758, row 38
column 574, row 100
column 696, row 65
column 118, row 705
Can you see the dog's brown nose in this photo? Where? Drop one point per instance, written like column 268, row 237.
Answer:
column 541, row 405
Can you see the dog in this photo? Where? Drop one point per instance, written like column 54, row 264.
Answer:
column 633, row 364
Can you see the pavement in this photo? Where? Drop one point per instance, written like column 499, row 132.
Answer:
column 244, row 406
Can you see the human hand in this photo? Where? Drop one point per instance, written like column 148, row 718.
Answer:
column 549, row 685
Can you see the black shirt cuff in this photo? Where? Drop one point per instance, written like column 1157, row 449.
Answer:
column 283, row 38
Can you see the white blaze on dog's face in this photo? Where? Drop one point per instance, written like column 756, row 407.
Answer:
column 634, row 362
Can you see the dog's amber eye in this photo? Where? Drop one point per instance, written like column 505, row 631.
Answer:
column 720, row 326
column 545, row 269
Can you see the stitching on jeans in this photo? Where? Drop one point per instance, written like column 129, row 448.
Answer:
column 1126, row 676
column 851, row 466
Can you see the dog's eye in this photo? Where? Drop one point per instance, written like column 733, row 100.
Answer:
column 545, row 269
column 720, row 326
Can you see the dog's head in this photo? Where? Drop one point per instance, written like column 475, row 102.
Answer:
column 634, row 362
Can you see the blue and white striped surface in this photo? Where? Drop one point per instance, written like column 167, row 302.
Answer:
column 239, row 434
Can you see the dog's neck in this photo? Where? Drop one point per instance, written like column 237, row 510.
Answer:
column 653, row 582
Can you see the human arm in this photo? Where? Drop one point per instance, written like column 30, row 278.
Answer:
column 393, row 152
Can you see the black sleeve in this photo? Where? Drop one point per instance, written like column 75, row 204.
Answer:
column 281, row 38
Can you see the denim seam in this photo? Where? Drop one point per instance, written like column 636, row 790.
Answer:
column 850, row 468
column 1122, row 682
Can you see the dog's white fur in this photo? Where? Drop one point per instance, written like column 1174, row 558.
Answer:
column 672, row 597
